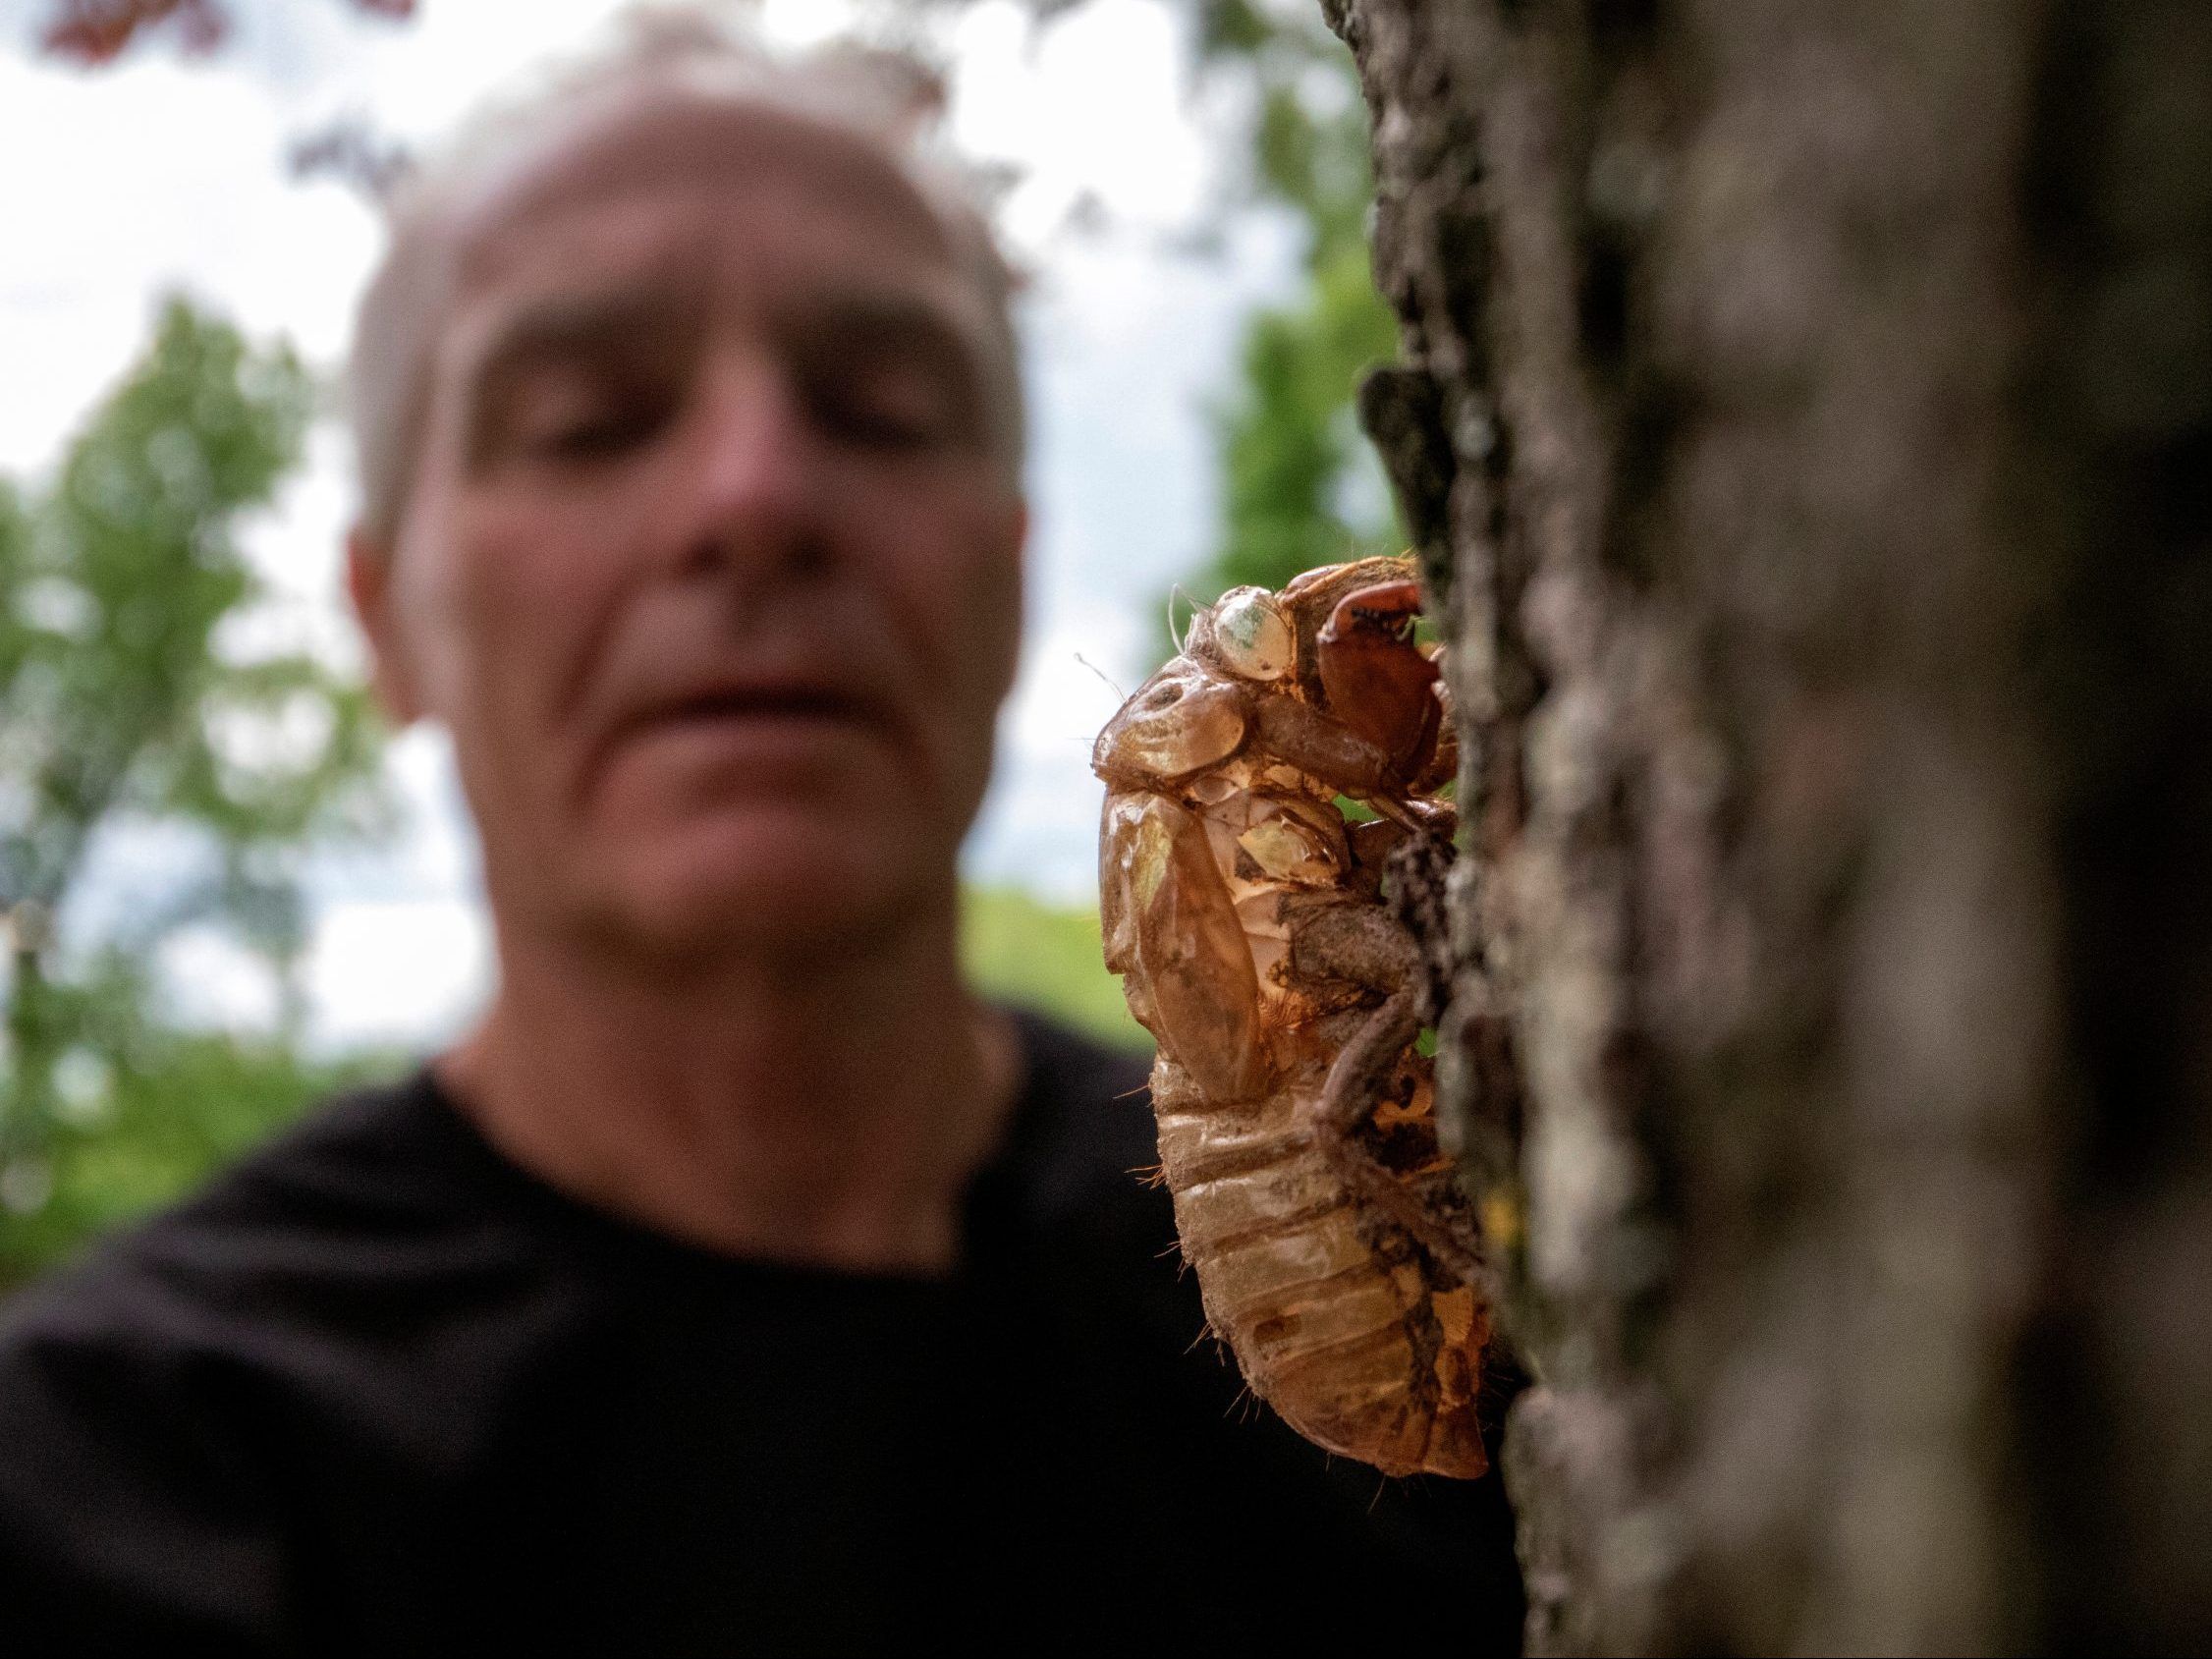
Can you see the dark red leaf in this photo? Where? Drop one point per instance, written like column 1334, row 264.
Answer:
column 98, row 31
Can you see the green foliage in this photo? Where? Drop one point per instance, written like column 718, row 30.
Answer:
column 1290, row 444
column 1019, row 950
column 142, row 1114
column 1289, row 440
column 1232, row 28
column 1299, row 485
column 120, row 711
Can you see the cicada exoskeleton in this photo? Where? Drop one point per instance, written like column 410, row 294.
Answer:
column 1245, row 912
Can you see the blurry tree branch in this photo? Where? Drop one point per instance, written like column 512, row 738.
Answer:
column 351, row 150
column 121, row 709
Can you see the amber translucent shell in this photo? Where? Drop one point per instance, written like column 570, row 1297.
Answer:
column 1212, row 854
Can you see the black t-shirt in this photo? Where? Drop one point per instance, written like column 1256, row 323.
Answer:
column 378, row 1389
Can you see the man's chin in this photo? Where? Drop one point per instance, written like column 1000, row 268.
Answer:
column 790, row 888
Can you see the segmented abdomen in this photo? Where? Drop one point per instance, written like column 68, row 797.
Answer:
column 1325, row 1306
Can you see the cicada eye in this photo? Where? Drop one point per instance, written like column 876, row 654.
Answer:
column 1251, row 634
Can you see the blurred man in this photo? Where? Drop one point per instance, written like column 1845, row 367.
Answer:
column 742, row 1282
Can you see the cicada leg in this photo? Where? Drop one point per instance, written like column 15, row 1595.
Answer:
column 1363, row 946
column 1331, row 752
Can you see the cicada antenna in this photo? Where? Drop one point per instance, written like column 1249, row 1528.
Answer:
column 1174, row 593
column 1102, row 674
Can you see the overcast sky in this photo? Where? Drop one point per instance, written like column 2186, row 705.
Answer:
column 159, row 174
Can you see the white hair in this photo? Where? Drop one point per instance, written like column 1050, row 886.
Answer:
column 887, row 97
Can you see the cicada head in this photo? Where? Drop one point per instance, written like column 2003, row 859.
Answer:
column 1180, row 721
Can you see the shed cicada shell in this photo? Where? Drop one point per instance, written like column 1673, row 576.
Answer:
column 1245, row 912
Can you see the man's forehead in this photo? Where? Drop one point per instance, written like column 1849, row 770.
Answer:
column 664, row 201
column 590, row 292
column 597, row 186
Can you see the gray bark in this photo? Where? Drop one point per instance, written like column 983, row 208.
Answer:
column 1805, row 420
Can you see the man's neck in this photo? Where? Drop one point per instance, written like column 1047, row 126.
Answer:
column 831, row 1114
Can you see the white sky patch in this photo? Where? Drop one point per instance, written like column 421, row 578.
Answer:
column 297, row 547
column 1041, row 819
column 1064, row 696
column 211, row 979
column 105, row 220
column 434, row 855
column 159, row 174
column 407, row 971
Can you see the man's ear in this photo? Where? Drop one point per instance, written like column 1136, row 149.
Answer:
column 368, row 581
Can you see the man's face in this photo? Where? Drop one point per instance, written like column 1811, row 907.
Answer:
column 711, row 563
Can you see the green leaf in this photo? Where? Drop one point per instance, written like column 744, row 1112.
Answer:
column 119, row 712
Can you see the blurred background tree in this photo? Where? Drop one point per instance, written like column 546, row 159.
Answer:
column 1299, row 485
column 125, row 715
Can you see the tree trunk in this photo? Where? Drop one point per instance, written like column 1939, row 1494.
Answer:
column 1805, row 420
column 29, row 1053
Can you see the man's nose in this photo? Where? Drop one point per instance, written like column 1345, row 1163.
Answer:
column 753, row 491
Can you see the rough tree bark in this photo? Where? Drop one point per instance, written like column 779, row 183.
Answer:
column 1805, row 420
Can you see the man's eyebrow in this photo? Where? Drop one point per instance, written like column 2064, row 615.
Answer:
column 881, row 318
column 565, row 327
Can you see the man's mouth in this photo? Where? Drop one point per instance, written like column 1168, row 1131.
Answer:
column 768, row 728
column 756, row 731
column 767, row 703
